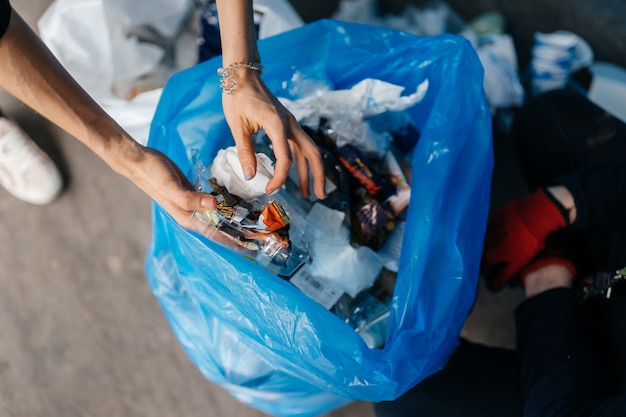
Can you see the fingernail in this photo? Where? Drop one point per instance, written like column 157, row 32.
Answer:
column 207, row 202
column 247, row 173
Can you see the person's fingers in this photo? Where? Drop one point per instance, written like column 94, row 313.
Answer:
column 165, row 183
column 199, row 201
column 303, row 170
column 245, row 151
column 281, row 171
column 180, row 202
column 282, row 152
column 307, row 149
column 319, row 177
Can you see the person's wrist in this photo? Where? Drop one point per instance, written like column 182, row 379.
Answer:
column 547, row 278
column 563, row 196
column 237, row 74
column 124, row 155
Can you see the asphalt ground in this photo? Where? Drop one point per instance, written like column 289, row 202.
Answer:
column 80, row 332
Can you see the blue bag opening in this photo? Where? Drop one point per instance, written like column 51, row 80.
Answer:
column 260, row 338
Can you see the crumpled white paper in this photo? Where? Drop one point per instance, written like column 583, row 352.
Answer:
column 227, row 171
column 369, row 97
column 334, row 258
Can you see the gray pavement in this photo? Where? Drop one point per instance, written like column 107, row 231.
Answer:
column 80, row 332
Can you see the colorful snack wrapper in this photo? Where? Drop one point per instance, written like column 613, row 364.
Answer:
column 273, row 217
column 374, row 225
column 354, row 162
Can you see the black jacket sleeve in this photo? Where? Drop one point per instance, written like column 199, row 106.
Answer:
column 5, row 16
column 599, row 193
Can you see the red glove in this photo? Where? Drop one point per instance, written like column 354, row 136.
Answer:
column 516, row 233
column 558, row 250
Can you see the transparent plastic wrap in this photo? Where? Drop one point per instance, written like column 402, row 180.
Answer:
column 261, row 338
column 260, row 229
column 368, row 313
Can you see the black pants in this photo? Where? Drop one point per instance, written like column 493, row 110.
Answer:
column 571, row 363
column 604, row 325
column 483, row 381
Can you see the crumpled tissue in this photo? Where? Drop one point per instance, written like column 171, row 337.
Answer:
column 227, row 171
column 335, row 260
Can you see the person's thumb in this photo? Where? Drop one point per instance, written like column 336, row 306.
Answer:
column 194, row 200
column 180, row 205
column 201, row 201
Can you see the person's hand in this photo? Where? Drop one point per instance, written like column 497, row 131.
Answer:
column 252, row 107
column 516, row 233
column 162, row 180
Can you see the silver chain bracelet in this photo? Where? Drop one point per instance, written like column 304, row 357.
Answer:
column 227, row 82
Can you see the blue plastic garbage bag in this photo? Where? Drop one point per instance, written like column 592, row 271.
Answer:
column 262, row 339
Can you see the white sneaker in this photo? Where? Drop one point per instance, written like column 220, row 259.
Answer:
column 25, row 170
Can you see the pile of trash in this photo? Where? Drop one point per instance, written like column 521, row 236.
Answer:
column 486, row 33
column 557, row 58
column 248, row 325
column 342, row 251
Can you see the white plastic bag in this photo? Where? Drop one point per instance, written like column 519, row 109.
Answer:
column 89, row 38
column 93, row 40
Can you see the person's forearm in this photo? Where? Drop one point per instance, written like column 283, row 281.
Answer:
column 237, row 31
column 32, row 74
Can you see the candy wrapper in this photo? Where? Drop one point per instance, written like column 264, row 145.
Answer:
column 258, row 229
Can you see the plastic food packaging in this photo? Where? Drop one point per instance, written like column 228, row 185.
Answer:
column 368, row 313
column 258, row 336
column 258, row 229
